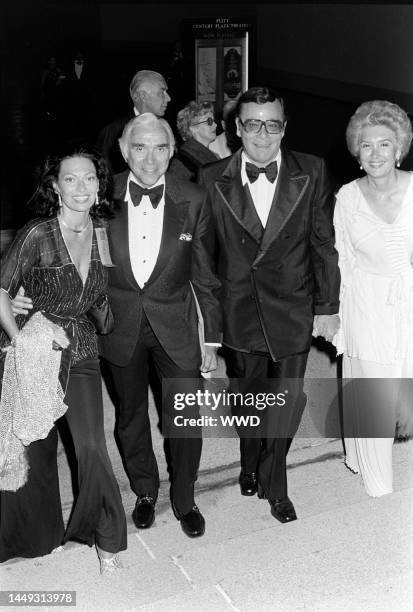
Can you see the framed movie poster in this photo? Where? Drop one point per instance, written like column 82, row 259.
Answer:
column 222, row 57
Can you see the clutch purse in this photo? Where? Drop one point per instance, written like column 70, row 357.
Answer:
column 101, row 315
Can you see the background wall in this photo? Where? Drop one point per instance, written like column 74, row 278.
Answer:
column 327, row 58
column 347, row 51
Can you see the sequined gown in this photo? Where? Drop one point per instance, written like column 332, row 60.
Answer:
column 376, row 313
column 31, row 522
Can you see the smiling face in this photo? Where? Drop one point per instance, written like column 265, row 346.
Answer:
column 147, row 153
column 77, row 183
column 261, row 148
column 379, row 150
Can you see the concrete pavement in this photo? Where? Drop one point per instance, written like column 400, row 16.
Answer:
column 346, row 552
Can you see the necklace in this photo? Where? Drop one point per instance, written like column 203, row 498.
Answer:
column 72, row 229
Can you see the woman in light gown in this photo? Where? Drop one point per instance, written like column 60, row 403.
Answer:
column 374, row 232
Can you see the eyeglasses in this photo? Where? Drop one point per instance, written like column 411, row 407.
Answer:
column 209, row 121
column 254, row 126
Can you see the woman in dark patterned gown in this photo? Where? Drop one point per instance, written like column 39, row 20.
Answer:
column 59, row 260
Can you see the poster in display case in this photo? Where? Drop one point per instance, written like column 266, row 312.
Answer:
column 221, row 48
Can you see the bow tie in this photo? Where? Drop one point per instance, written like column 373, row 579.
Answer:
column 136, row 192
column 253, row 171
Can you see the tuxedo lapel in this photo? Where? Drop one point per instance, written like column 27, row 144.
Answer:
column 175, row 211
column 238, row 199
column 291, row 187
column 119, row 240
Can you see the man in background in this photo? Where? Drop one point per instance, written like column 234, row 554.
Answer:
column 149, row 93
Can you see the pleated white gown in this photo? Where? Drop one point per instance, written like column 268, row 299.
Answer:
column 376, row 312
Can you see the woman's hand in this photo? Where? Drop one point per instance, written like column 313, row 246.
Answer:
column 21, row 304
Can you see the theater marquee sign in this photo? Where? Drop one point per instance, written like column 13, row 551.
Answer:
column 222, row 50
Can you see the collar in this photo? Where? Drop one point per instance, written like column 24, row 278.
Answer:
column 245, row 159
column 132, row 177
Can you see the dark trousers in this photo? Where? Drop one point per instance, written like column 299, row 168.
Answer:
column 31, row 522
column 98, row 515
column 266, row 454
column 131, row 383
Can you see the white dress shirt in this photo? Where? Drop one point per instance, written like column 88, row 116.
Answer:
column 78, row 68
column 145, row 225
column 262, row 190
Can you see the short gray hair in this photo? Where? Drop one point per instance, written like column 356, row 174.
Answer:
column 380, row 112
column 147, row 120
column 193, row 110
column 141, row 77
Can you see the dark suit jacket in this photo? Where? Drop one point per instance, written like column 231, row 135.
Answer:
column 191, row 156
column 167, row 298
column 107, row 142
column 274, row 280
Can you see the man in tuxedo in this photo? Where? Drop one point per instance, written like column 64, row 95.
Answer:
column 79, row 98
column 160, row 243
column 278, row 268
column 149, row 93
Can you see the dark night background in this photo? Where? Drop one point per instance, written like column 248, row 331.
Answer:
column 326, row 58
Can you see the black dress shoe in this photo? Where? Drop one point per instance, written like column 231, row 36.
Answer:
column 192, row 523
column 144, row 513
column 248, row 483
column 283, row 510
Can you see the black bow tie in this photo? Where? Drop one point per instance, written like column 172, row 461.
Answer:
column 136, row 192
column 253, row 171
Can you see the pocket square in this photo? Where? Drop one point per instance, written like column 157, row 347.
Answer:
column 186, row 237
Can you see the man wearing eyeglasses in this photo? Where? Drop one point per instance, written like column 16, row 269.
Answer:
column 280, row 280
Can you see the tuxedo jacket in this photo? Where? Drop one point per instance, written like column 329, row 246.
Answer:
column 185, row 258
column 274, row 280
column 191, row 156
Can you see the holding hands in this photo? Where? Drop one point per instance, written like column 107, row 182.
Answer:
column 326, row 326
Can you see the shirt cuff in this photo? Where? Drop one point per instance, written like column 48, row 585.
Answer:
column 217, row 344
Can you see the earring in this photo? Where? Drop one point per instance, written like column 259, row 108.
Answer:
column 361, row 167
column 398, row 163
column 97, row 199
column 59, row 197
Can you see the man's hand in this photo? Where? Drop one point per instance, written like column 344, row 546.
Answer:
column 21, row 304
column 209, row 361
column 326, row 326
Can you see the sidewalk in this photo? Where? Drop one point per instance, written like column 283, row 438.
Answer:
column 346, row 552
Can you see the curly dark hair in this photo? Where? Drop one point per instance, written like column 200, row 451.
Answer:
column 44, row 201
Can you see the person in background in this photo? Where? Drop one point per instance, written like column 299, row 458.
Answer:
column 51, row 81
column 60, row 261
column 79, row 98
column 373, row 222
column 226, row 143
column 197, row 128
column 149, row 93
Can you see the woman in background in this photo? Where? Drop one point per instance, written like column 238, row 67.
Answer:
column 197, row 128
